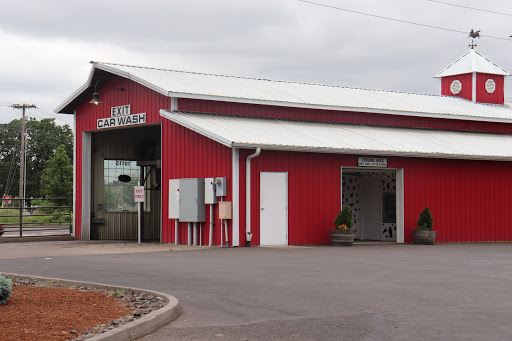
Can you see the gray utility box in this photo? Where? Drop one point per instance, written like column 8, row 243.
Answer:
column 192, row 206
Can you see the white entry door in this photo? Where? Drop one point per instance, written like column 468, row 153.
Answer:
column 371, row 202
column 273, row 208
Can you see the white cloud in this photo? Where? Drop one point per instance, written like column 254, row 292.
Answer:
column 45, row 57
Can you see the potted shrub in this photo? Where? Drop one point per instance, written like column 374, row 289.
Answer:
column 424, row 234
column 343, row 234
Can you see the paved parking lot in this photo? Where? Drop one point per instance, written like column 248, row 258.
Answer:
column 368, row 292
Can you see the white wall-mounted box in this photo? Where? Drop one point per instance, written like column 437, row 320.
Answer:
column 209, row 191
column 221, row 189
column 225, row 211
column 174, row 198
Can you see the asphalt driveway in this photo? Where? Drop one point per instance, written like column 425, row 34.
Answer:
column 384, row 292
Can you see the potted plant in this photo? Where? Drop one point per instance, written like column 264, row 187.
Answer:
column 2, row 230
column 343, row 234
column 424, row 234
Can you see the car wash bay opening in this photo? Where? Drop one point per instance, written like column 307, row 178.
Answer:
column 120, row 160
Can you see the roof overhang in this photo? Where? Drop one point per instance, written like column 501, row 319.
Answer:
column 68, row 106
column 470, row 62
column 448, row 108
column 339, row 138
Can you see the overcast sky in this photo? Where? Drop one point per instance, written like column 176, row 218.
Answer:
column 46, row 45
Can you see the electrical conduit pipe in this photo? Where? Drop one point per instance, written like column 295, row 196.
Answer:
column 211, row 226
column 248, row 234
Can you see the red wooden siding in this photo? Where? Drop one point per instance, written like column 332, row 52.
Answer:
column 141, row 99
column 470, row 200
column 467, row 85
column 314, row 197
column 256, row 110
column 190, row 155
column 498, row 96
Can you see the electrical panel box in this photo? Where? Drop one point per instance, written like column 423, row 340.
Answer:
column 221, row 187
column 225, row 211
column 174, row 198
column 192, row 206
column 209, row 191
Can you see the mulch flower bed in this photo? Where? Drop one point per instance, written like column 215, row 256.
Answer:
column 39, row 310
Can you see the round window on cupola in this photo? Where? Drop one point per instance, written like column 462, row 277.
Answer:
column 490, row 86
column 456, row 87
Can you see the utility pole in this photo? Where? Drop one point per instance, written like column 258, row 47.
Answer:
column 22, row 151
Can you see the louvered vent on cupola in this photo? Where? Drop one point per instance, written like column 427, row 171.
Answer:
column 475, row 78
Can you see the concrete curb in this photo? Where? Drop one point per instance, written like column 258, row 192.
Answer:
column 36, row 239
column 133, row 330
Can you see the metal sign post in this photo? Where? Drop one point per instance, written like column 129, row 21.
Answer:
column 139, row 197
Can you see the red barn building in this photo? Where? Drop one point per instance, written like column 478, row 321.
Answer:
column 287, row 156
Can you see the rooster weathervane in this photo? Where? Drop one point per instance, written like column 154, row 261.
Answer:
column 473, row 34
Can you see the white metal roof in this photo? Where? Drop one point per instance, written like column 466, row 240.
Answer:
column 471, row 61
column 277, row 134
column 279, row 93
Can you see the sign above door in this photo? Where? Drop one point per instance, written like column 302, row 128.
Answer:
column 366, row 161
column 121, row 116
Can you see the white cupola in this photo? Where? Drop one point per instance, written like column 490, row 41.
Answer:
column 475, row 78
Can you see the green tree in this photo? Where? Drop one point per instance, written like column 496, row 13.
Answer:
column 42, row 139
column 9, row 156
column 57, row 178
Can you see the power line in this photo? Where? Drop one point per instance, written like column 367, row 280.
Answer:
column 54, row 116
column 31, row 114
column 473, row 8
column 47, row 113
column 34, row 87
column 396, row 20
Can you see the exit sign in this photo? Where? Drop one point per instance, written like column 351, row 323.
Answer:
column 138, row 194
column 122, row 110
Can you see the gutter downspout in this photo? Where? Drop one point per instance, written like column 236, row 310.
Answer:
column 248, row 233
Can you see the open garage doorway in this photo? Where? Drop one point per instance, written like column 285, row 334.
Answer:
column 375, row 197
column 120, row 159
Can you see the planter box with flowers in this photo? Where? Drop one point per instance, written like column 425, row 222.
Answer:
column 424, row 234
column 343, row 234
